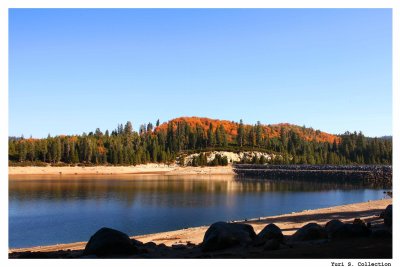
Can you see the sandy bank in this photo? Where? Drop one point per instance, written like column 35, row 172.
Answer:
column 108, row 170
column 289, row 223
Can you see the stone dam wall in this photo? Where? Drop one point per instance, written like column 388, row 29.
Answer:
column 375, row 174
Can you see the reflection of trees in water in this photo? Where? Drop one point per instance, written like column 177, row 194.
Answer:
column 307, row 185
column 171, row 191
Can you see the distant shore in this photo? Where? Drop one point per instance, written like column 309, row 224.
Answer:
column 161, row 169
column 289, row 223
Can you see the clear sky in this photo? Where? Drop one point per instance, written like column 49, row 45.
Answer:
column 73, row 70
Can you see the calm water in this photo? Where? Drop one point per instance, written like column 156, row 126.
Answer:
column 45, row 211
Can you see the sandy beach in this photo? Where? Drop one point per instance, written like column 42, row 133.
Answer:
column 162, row 169
column 289, row 223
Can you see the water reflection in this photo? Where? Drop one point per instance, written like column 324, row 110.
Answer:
column 126, row 188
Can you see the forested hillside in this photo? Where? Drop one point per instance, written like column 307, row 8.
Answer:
column 165, row 142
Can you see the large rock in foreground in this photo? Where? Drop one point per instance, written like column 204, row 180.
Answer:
column 348, row 230
column 332, row 226
column 310, row 231
column 388, row 216
column 270, row 232
column 221, row 235
column 107, row 241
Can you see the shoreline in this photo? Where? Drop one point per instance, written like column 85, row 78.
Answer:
column 148, row 169
column 368, row 211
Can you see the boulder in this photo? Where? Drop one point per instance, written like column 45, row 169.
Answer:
column 382, row 214
column 332, row 226
column 310, row 231
column 136, row 243
column 387, row 217
column 150, row 244
column 270, row 232
column 178, row 246
column 221, row 235
column 362, row 225
column 162, row 246
column 107, row 241
column 348, row 230
column 359, row 221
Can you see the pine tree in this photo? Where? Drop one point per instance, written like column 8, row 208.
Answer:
column 22, row 151
column 128, row 129
column 240, row 134
column 259, row 134
column 211, row 136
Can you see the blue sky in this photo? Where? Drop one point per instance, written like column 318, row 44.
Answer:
column 73, row 70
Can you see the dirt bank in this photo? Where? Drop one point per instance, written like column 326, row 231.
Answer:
column 161, row 169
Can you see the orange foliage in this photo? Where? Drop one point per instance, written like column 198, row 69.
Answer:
column 73, row 139
column 29, row 140
column 274, row 130
column 101, row 150
column 230, row 127
column 307, row 134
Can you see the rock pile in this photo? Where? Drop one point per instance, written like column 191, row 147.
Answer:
column 350, row 173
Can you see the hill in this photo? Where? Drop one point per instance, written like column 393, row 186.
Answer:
column 270, row 131
column 171, row 141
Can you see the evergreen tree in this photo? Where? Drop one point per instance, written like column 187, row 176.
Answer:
column 211, row 136
column 128, row 129
column 240, row 134
column 149, row 127
column 259, row 134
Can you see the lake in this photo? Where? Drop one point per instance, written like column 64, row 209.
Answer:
column 62, row 209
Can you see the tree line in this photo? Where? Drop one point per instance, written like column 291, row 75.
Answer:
column 124, row 146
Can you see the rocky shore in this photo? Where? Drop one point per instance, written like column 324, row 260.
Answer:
column 375, row 174
column 360, row 230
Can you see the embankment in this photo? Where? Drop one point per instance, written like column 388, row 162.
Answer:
column 160, row 169
column 375, row 174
